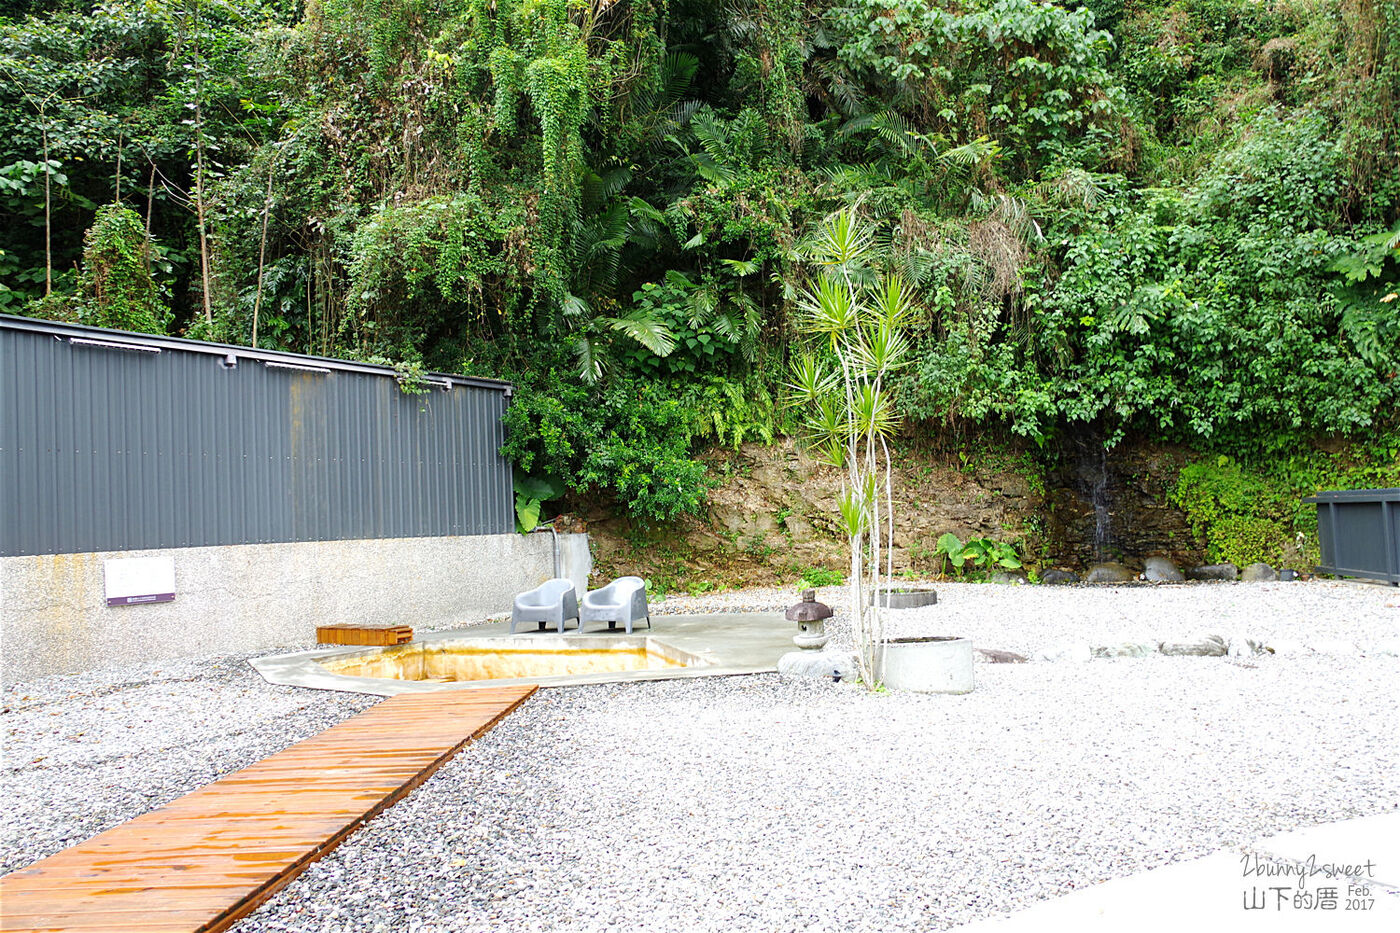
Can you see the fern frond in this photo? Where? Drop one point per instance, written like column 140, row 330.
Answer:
column 646, row 330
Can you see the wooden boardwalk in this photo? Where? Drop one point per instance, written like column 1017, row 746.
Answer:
column 203, row 861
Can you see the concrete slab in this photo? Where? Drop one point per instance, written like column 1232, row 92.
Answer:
column 726, row 644
column 1273, row 885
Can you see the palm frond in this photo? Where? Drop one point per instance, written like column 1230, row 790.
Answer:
column 873, row 408
column 892, row 301
column 829, row 309
column 589, row 358
column 646, row 330
column 842, row 240
column 811, row 378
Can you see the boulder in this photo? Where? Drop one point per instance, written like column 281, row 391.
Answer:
column 1072, row 651
column 1258, row 573
column 1109, row 572
column 827, row 665
column 1059, row 577
column 1214, row 572
column 1162, row 570
column 1207, row 646
column 997, row 656
column 1012, row 577
column 1243, row 646
column 1127, row 649
column 798, row 528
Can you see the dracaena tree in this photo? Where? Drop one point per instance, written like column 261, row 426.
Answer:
column 854, row 318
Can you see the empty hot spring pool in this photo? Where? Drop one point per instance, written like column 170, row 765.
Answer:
column 469, row 659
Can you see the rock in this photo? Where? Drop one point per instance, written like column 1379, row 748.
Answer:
column 1214, row 572
column 1059, row 577
column 1243, row 646
column 1012, row 577
column 1109, row 572
column 1162, row 570
column 1127, row 649
column 1288, row 576
column 1385, row 648
column 820, row 664
column 1208, row 646
column 798, row 528
column 1072, row 651
column 1258, row 573
column 997, row 656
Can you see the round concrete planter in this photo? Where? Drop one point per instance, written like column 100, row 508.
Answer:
column 940, row 664
column 904, row 597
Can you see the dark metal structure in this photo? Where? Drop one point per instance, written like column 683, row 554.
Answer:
column 118, row 441
column 1359, row 533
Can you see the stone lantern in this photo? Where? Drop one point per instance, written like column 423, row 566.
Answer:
column 810, row 617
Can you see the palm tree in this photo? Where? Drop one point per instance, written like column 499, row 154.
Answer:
column 857, row 319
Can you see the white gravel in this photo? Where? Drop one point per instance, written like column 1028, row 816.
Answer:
column 85, row 752
column 758, row 803
column 1027, row 619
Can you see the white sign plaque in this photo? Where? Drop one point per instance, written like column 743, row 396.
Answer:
column 133, row 580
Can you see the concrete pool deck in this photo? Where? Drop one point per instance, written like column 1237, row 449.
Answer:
column 726, row 643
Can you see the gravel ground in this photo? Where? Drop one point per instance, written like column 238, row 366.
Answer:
column 1028, row 619
column 85, row 752
column 758, row 803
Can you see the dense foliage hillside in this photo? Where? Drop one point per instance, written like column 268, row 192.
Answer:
column 1173, row 218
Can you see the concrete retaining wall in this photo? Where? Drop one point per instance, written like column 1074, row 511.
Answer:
column 54, row 616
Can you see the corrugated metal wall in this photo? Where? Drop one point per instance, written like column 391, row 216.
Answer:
column 103, row 448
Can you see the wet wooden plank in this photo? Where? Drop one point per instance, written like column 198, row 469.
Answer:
column 205, row 860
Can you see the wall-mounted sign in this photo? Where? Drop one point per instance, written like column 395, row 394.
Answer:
column 134, row 580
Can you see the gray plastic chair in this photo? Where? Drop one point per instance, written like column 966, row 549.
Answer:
column 552, row 601
column 623, row 600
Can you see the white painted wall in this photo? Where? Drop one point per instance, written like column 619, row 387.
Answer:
column 54, row 616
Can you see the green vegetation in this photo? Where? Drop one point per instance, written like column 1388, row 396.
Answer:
column 1255, row 513
column 1171, row 219
column 982, row 554
column 815, row 577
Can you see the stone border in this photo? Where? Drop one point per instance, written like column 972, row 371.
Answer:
column 905, row 597
column 1216, row 646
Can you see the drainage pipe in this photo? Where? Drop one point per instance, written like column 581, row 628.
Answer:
column 553, row 535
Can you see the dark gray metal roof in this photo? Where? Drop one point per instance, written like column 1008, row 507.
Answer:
column 136, row 341
column 118, row 441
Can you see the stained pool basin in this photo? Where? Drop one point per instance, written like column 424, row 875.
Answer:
column 470, row 659
column 678, row 646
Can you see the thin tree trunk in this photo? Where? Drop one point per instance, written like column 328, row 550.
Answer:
column 200, row 214
column 310, row 274
column 48, row 211
column 262, row 254
column 199, row 206
column 150, row 197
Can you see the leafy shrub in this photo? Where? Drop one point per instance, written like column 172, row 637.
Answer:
column 814, row 577
column 1032, row 75
column 116, row 284
column 627, row 438
column 980, row 553
column 1246, row 513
